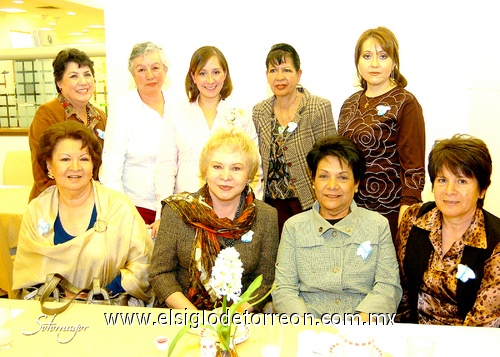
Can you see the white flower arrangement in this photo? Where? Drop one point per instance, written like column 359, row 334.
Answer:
column 226, row 275
column 226, row 282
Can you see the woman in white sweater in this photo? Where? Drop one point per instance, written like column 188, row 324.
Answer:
column 134, row 128
column 190, row 123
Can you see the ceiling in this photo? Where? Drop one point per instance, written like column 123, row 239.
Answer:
column 80, row 28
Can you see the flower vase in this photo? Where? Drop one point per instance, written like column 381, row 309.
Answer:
column 231, row 352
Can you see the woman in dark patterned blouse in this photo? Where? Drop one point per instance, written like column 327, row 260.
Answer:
column 449, row 250
column 387, row 123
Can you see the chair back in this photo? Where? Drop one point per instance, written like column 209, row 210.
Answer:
column 17, row 169
column 6, row 267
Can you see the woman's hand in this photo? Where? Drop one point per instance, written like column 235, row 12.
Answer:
column 245, row 307
column 177, row 300
column 154, row 228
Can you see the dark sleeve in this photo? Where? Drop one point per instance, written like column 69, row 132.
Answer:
column 165, row 260
column 268, row 252
column 403, row 313
column 411, row 151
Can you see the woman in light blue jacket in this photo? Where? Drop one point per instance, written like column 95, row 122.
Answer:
column 336, row 258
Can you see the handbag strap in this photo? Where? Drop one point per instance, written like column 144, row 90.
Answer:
column 53, row 280
column 97, row 290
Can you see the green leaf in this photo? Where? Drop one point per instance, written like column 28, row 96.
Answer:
column 254, row 286
column 224, row 335
column 245, row 299
column 177, row 337
column 247, row 295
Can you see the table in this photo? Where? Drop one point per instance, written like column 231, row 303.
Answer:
column 99, row 338
column 13, row 204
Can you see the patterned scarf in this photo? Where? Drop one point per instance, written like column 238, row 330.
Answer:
column 199, row 213
column 93, row 116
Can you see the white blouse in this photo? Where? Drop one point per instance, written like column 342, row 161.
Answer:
column 184, row 135
column 131, row 143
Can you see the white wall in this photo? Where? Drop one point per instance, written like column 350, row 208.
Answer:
column 449, row 52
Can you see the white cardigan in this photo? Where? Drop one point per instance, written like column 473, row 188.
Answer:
column 184, row 135
column 131, row 142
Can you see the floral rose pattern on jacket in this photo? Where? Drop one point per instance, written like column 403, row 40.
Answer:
column 393, row 142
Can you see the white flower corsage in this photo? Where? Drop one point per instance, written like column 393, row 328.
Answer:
column 382, row 109
column 364, row 249
column 247, row 237
column 465, row 273
column 100, row 133
column 43, row 227
column 234, row 116
column 291, row 126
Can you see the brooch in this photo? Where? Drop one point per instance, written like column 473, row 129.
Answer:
column 100, row 133
column 364, row 249
column 247, row 237
column 465, row 273
column 291, row 126
column 43, row 227
column 382, row 109
column 100, row 226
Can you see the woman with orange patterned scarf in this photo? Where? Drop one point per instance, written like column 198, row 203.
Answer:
column 223, row 213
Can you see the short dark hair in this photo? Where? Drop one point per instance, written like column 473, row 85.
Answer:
column 341, row 147
column 69, row 129
column 65, row 56
column 198, row 60
column 279, row 51
column 465, row 155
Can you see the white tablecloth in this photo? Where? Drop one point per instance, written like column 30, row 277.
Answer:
column 100, row 338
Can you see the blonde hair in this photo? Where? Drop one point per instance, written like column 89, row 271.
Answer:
column 230, row 139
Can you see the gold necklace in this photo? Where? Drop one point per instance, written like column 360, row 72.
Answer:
column 367, row 101
column 286, row 119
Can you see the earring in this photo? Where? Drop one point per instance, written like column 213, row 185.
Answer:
column 49, row 174
column 391, row 77
column 313, row 187
column 356, row 191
